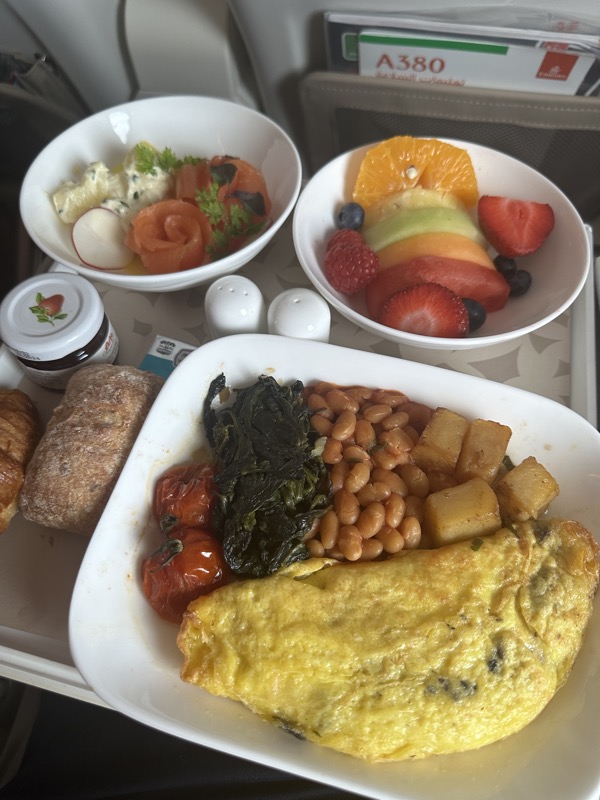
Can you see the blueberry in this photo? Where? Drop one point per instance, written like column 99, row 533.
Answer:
column 519, row 283
column 477, row 313
column 351, row 215
column 505, row 266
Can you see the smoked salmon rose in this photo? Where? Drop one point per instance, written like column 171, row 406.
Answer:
column 170, row 236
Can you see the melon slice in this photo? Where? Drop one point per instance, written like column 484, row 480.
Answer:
column 415, row 221
column 448, row 245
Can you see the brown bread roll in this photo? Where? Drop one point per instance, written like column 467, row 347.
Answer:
column 20, row 431
column 86, row 443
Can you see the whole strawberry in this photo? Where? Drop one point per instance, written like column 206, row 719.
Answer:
column 349, row 267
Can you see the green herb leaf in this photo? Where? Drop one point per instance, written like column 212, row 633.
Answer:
column 271, row 484
column 148, row 158
column 207, row 201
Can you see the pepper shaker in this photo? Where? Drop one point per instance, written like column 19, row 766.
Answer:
column 233, row 304
column 300, row 314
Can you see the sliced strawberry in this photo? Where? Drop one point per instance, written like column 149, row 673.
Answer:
column 514, row 227
column 464, row 278
column 427, row 309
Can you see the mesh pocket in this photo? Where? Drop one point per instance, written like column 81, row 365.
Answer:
column 558, row 136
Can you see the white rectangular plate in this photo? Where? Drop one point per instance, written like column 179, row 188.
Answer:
column 129, row 656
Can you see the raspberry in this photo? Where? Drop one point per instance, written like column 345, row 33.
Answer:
column 350, row 267
column 345, row 236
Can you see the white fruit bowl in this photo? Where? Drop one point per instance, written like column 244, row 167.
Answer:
column 201, row 126
column 558, row 269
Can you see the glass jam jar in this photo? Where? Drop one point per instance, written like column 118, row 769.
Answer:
column 54, row 324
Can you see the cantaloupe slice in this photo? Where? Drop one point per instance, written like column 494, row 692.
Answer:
column 448, row 245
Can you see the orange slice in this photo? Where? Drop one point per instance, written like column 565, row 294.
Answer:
column 404, row 162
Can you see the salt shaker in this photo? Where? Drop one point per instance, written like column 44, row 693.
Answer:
column 233, row 304
column 300, row 314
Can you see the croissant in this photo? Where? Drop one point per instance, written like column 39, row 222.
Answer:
column 20, row 432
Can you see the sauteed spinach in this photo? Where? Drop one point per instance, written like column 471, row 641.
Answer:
column 272, row 483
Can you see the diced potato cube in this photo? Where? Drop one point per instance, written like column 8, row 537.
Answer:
column 483, row 448
column 461, row 512
column 440, row 443
column 526, row 491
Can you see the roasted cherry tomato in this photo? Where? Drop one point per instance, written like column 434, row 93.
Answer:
column 185, row 496
column 187, row 565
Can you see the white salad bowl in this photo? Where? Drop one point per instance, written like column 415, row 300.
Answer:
column 189, row 125
column 558, row 269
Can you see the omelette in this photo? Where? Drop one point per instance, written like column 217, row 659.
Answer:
column 428, row 652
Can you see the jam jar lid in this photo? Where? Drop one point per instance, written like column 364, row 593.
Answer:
column 49, row 316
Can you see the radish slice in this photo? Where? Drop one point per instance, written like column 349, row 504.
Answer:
column 98, row 239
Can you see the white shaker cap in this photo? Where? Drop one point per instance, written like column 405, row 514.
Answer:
column 233, row 304
column 300, row 314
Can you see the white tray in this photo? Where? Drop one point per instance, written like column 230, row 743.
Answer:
column 38, row 566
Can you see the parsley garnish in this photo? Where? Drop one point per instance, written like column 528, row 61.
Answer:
column 229, row 222
column 208, row 201
column 148, row 158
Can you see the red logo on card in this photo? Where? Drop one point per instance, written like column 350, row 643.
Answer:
column 556, row 66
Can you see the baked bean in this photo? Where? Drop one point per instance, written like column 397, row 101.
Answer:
column 410, row 528
column 415, row 506
column 378, row 493
column 391, row 398
column 396, row 439
column 416, row 480
column 322, row 387
column 321, row 425
column 412, row 432
column 353, row 452
column 357, row 477
column 344, row 425
column 395, row 508
column 385, row 457
column 373, row 493
column 359, row 393
column 337, row 474
column 315, row 548
column 329, row 529
column 313, row 530
column 418, row 414
column 371, row 549
column 364, row 434
column 391, row 539
column 396, row 420
column 392, row 478
column 376, row 412
column 346, row 506
column 339, row 401
column 318, row 405
column 332, row 452
column 371, row 520
column 350, row 542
